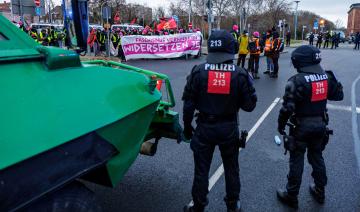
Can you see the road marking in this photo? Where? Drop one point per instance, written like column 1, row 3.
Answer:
column 355, row 128
column 220, row 171
column 338, row 107
column 343, row 108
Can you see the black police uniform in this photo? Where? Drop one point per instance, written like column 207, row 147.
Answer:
column 327, row 37
column 217, row 90
column 319, row 41
column 304, row 104
column 311, row 39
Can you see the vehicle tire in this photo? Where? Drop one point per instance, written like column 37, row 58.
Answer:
column 73, row 197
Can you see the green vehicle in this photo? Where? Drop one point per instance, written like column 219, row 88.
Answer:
column 62, row 120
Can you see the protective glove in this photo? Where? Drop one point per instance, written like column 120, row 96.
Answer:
column 188, row 131
column 281, row 129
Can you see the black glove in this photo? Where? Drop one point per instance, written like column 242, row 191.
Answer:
column 281, row 129
column 188, row 131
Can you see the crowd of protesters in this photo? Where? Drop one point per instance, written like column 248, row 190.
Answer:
column 97, row 38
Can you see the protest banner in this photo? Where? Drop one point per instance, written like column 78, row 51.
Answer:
column 157, row 47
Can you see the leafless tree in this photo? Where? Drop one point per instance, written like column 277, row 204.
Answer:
column 221, row 8
column 159, row 12
column 277, row 10
column 339, row 24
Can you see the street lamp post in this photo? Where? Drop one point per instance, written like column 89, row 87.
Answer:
column 101, row 12
column 11, row 10
column 209, row 17
column 322, row 25
column 302, row 34
column 189, row 11
column 296, row 16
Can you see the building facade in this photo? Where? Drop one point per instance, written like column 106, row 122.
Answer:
column 353, row 19
column 5, row 9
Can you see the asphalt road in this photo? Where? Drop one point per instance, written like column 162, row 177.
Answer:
column 163, row 182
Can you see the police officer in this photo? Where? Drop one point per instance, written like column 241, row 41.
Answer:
column 311, row 39
column 217, row 89
column 319, row 40
column 304, row 104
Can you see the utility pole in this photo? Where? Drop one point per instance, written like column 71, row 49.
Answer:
column 243, row 19
column 284, row 28
column 49, row 11
column 21, row 12
column 209, row 16
column 302, row 34
column 11, row 10
column 240, row 24
column 296, row 16
column 101, row 12
column 108, row 32
column 189, row 11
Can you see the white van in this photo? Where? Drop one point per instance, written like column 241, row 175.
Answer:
column 96, row 27
column 127, row 27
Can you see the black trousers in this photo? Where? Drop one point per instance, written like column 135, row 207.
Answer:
column 326, row 44
column 333, row 45
column 318, row 45
column 313, row 143
column 207, row 136
column 276, row 64
column 241, row 60
column 121, row 54
column 254, row 63
column 357, row 45
column 311, row 42
column 287, row 42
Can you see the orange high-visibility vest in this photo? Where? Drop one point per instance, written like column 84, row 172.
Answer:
column 276, row 48
column 256, row 40
column 268, row 44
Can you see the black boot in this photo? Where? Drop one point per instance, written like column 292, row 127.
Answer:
column 233, row 206
column 193, row 208
column 256, row 76
column 267, row 72
column 287, row 199
column 317, row 193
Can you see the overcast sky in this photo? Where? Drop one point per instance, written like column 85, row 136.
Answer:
column 329, row 9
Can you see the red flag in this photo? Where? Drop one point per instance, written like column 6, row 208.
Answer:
column 133, row 21
column 169, row 24
column 160, row 26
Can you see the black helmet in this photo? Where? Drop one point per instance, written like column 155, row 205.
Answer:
column 221, row 47
column 306, row 56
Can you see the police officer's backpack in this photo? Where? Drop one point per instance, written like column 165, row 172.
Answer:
column 252, row 47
